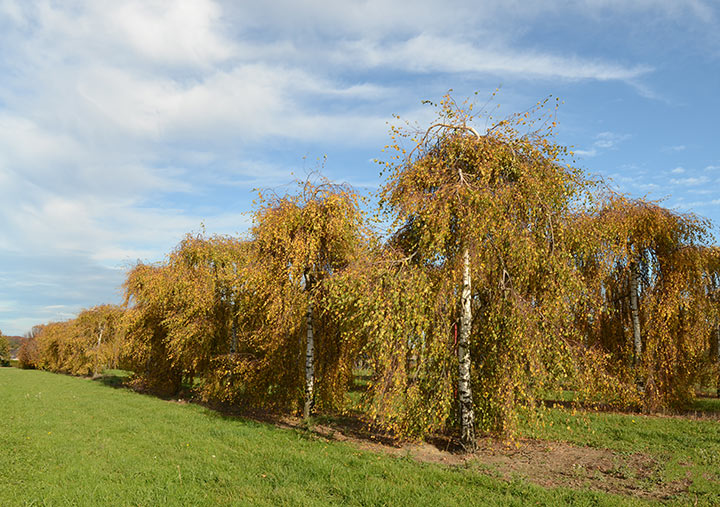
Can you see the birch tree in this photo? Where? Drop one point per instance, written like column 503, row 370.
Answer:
column 489, row 211
column 301, row 240
column 634, row 276
column 668, row 251
column 183, row 314
column 4, row 350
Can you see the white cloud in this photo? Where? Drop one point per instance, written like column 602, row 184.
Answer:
column 678, row 170
column 429, row 53
column 696, row 9
column 586, row 153
column 689, row 181
column 172, row 32
column 13, row 11
column 698, row 204
column 702, row 191
column 110, row 232
column 603, row 141
column 187, row 33
column 378, row 18
column 609, row 140
column 27, row 144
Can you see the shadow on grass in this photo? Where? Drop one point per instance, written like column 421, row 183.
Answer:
column 116, row 381
column 702, row 407
column 348, row 426
column 123, row 379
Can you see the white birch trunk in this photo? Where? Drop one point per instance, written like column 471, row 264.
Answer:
column 100, row 334
column 635, row 314
column 467, row 411
column 309, row 364
column 97, row 350
column 234, row 334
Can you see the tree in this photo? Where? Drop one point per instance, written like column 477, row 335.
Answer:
column 301, row 241
column 209, row 287
column 490, row 212
column 651, row 266
column 148, row 297
column 392, row 318
column 207, row 301
column 4, row 350
column 101, row 335
column 182, row 315
column 28, row 354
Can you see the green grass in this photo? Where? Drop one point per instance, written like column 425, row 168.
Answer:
column 688, row 447
column 71, row 441
column 706, row 405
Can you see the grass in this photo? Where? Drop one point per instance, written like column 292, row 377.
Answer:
column 72, row 441
column 688, row 447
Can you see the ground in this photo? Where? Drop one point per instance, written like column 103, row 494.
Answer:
column 546, row 463
column 71, row 441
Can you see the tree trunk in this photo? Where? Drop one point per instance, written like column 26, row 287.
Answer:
column 635, row 314
column 234, row 332
column 100, row 334
column 97, row 350
column 309, row 364
column 467, row 412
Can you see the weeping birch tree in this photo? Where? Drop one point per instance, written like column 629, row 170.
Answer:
column 713, row 291
column 489, row 211
column 183, row 314
column 101, row 332
column 653, row 313
column 4, row 350
column 300, row 241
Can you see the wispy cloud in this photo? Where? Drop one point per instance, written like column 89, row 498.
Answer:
column 680, row 147
column 428, row 53
column 693, row 181
column 603, row 141
column 694, row 205
column 609, row 140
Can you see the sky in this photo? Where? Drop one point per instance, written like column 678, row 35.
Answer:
column 126, row 124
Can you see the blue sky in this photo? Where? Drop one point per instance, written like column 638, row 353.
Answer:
column 126, row 124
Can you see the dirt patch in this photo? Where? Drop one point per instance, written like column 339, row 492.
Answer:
column 554, row 464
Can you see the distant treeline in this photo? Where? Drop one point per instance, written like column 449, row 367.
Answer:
column 506, row 276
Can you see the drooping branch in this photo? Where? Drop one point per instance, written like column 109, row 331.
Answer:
column 446, row 126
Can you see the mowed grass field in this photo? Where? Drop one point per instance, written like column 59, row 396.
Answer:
column 72, row 441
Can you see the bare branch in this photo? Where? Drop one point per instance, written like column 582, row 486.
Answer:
column 446, row 126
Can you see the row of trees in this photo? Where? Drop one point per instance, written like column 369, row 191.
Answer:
column 506, row 275
column 82, row 346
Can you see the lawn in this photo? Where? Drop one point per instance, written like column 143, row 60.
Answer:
column 687, row 446
column 73, row 441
